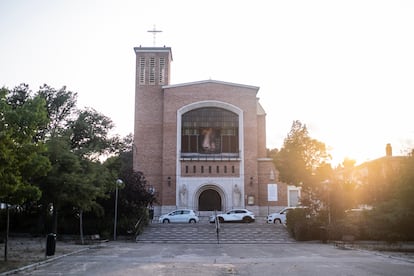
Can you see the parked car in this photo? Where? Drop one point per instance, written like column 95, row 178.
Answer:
column 180, row 215
column 279, row 217
column 234, row 215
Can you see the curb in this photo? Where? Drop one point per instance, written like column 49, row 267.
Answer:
column 35, row 265
column 378, row 253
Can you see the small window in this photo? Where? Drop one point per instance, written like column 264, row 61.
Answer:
column 141, row 70
column 232, row 169
column 218, row 169
column 225, row 169
column 161, row 79
column 209, row 169
column 194, row 169
column 152, row 70
column 202, row 169
column 186, row 169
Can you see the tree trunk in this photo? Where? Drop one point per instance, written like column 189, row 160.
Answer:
column 54, row 219
column 81, row 225
column 6, row 238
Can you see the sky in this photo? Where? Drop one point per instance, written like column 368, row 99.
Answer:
column 345, row 69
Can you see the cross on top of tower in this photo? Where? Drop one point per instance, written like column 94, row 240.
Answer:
column 154, row 32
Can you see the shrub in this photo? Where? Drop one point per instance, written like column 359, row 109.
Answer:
column 301, row 226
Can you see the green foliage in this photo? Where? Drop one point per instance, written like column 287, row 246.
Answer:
column 300, row 155
column 134, row 197
column 46, row 141
column 352, row 223
column 65, row 173
column 393, row 218
column 74, row 139
column 89, row 134
column 21, row 158
column 302, row 162
column 301, row 224
column 60, row 106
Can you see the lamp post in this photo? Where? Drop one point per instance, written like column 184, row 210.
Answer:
column 118, row 183
column 327, row 188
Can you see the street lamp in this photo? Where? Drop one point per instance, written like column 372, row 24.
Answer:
column 327, row 188
column 118, row 183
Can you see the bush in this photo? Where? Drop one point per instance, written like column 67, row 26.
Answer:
column 301, row 226
column 343, row 227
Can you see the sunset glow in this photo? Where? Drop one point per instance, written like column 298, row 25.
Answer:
column 343, row 68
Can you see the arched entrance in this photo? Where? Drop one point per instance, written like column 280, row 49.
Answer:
column 209, row 200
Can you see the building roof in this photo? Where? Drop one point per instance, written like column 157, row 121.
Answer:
column 153, row 49
column 211, row 81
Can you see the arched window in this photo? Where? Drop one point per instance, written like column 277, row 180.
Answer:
column 210, row 130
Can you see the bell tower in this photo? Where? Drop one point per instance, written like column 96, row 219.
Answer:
column 152, row 73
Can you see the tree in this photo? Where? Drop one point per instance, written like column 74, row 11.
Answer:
column 60, row 105
column 21, row 158
column 65, row 173
column 89, row 139
column 404, row 198
column 393, row 219
column 300, row 156
column 135, row 196
column 92, row 184
column 302, row 162
column 76, row 139
column 48, row 127
column 89, row 134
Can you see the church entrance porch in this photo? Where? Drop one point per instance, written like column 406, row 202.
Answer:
column 209, row 198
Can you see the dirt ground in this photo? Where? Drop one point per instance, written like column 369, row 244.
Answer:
column 23, row 251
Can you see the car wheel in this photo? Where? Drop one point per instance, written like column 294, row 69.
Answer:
column 192, row 221
column 221, row 220
column 166, row 221
column 277, row 221
column 247, row 219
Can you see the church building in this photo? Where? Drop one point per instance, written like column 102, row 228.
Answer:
column 202, row 144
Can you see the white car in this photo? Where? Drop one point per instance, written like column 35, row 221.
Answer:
column 181, row 215
column 279, row 217
column 234, row 215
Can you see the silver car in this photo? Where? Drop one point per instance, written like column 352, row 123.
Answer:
column 180, row 215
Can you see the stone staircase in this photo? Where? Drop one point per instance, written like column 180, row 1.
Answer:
column 205, row 233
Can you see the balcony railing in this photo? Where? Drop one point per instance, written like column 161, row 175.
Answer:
column 209, row 156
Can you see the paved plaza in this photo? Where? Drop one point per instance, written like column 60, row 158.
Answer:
column 181, row 257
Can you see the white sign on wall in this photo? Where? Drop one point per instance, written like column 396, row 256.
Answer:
column 271, row 192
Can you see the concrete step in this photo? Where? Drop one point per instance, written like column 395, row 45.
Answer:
column 237, row 233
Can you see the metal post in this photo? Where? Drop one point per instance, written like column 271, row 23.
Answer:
column 118, row 183
column 217, row 222
column 116, row 210
column 329, row 206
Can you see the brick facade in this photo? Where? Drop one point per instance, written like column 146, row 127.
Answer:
column 239, row 178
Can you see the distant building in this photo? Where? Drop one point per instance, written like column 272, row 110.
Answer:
column 202, row 145
column 375, row 178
